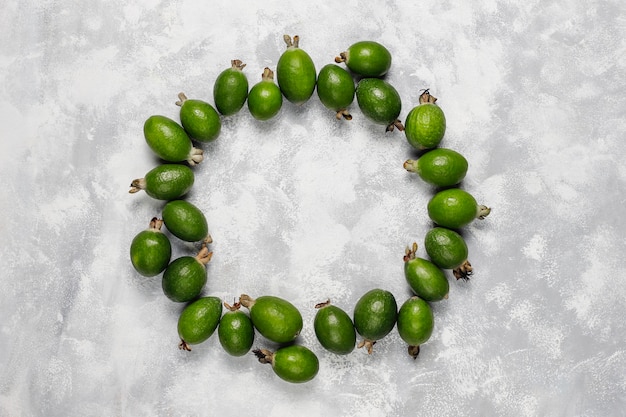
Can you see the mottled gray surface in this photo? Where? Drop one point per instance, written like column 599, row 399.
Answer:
column 307, row 207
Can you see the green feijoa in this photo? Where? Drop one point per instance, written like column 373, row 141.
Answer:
column 425, row 124
column 169, row 141
column 447, row 249
column 375, row 315
column 165, row 182
column 454, row 208
column 235, row 332
column 380, row 102
column 198, row 321
column 335, row 89
column 231, row 89
column 293, row 363
column 415, row 323
column 441, row 167
column 295, row 72
column 275, row 318
column 425, row 278
column 199, row 119
column 186, row 221
column 150, row 250
column 185, row 277
column 265, row 98
column 366, row 58
column 334, row 329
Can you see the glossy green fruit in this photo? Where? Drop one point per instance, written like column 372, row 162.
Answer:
column 415, row 323
column 366, row 58
column 265, row 98
column 335, row 89
column 293, row 363
column 380, row 102
column 334, row 329
column 295, row 72
column 169, row 141
column 425, row 278
column 447, row 249
column 230, row 90
column 375, row 315
column 185, row 277
column 440, row 167
column 186, row 221
column 199, row 119
column 198, row 321
column 425, row 124
column 150, row 250
column 275, row 318
column 165, row 182
column 455, row 208
column 236, row 332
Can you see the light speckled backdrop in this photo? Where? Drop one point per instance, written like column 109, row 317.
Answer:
column 307, row 207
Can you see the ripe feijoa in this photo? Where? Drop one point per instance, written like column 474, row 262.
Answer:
column 425, row 278
column 293, row 363
column 231, row 89
column 454, row 208
column 198, row 321
column 425, row 124
column 236, row 332
column 185, row 277
column 335, row 89
column 165, row 182
column 415, row 323
column 441, row 167
column 334, row 329
column 186, row 221
column 375, row 315
column 169, row 141
column 295, row 72
column 366, row 58
column 265, row 98
column 150, row 250
column 199, row 119
column 447, row 249
column 380, row 102
column 275, row 318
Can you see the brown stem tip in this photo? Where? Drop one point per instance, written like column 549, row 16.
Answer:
column 464, row 271
column 181, row 99
column 237, row 64
column 396, row 124
column 414, row 351
column 341, row 58
column 323, row 304
column 184, row 346
column 409, row 253
column 264, row 355
column 246, row 301
column 425, row 97
column 367, row 344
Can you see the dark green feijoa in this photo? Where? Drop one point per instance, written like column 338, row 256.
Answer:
column 169, row 141
column 265, row 98
column 295, row 72
column 275, row 318
column 165, row 182
column 185, row 277
column 425, row 124
column 186, row 221
column 366, row 58
column 454, row 208
column 374, row 316
column 198, row 321
column 293, row 363
column 334, row 329
column 150, row 250
column 447, row 249
column 415, row 323
column 425, row 278
column 199, row 119
column 441, row 167
column 231, row 89
column 335, row 89
column 236, row 332
column 380, row 102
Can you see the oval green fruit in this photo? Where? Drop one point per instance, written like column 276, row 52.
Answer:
column 366, row 58
column 186, row 221
column 425, row 278
column 230, row 90
column 165, row 182
column 150, row 250
column 169, row 141
column 265, row 98
column 334, row 329
column 455, row 208
column 335, row 89
column 275, row 318
column 198, row 321
column 447, row 249
column 441, row 167
column 415, row 323
column 375, row 315
column 236, row 331
column 293, row 363
column 295, row 72
column 199, row 119
column 380, row 102
column 185, row 277
column 425, row 124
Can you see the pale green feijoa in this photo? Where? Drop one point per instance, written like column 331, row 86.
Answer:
column 335, row 89
column 415, row 323
column 334, row 329
column 169, row 141
column 425, row 278
column 199, row 119
column 265, row 98
column 293, row 363
column 185, row 277
column 236, row 331
column 150, row 250
column 198, row 321
column 366, row 58
column 230, row 90
column 425, row 124
column 441, row 167
column 454, row 208
column 295, row 72
column 447, row 249
column 380, row 102
column 375, row 315
column 186, row 221
column 275, row 318
column 165, row 182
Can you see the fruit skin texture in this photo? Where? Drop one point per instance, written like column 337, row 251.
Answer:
column 169, row 141
column 185, row 277
column 335, row 89
column 295, row 72
column 265, row 98
column 425, row 124
column 198, row 321
column 367, row 58
column 230, row 90
column 379, row 101
column 334, row 329
column 186, row 221
column 295, row 363
column 150, row 250
column 441, row 167
column 415, row 323
column 446, row 248
column 455, row 208
column 165, row 182
column 425, row 278
column 199, row 119
column 236, row 333
column 375, row 316
column 275, row 318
